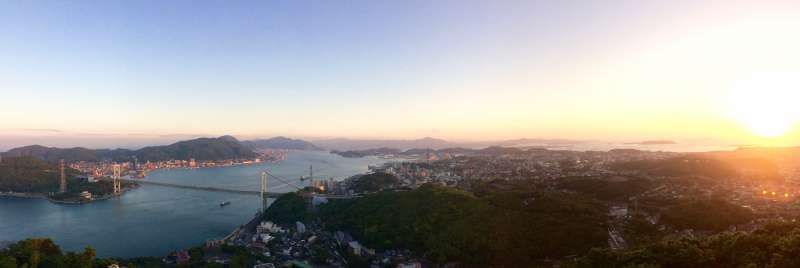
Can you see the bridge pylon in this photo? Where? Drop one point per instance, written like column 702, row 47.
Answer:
column 117, row 173
column 62, row 185
column 264, row 191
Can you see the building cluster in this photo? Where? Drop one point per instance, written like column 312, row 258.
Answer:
column 539, row 165
column 327, row 186
column 767, row 199
column 305, row 243
column 137, row 169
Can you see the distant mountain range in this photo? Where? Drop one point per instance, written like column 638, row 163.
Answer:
column 434, row 143
column 280, row 143
column 228, row 147
column 352, row 144
column 491, row 150
column 225, row 147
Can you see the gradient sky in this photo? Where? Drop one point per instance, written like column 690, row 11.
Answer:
column 463, row 70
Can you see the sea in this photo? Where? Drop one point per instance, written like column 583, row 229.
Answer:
column 152, row 221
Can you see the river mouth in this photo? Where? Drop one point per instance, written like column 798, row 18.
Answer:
column 154, row 220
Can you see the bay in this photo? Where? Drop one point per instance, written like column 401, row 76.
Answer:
column 154, row 220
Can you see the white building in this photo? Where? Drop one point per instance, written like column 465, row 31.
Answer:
column 410, row 265
column 356, row 247
column 268, row 227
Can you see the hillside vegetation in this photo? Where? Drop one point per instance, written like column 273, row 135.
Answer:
column 449, row 225
column 31, row 175
column 373, row 182
column 607, row 190
column 28, row 174
column 711, row 215
column 775, row 245
column 44, row 253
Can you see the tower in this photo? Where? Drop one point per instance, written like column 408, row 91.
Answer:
column 62, row 187
column 311, row 176
column 264, row 195
column 115, row 179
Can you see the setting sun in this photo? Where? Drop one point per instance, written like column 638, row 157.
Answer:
column 766, row 104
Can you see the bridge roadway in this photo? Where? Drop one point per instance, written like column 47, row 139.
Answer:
column 216, row 189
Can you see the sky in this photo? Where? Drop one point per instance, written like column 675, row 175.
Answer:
column 94, row 73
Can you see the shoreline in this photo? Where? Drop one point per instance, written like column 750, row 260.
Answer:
column 61, row 202
column 227, row 235
column 209, row 167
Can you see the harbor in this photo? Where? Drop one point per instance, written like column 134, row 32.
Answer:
column 155, row 220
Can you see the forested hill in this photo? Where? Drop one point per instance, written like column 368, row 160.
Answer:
column 489, row 229
column 225, row 147
column 28, row 174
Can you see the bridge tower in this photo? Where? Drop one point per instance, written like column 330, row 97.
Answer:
column 116, row 179
column 264, row 195
column 311, row 176
column 62, row 187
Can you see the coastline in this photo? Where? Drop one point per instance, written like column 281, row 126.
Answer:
column 233, row 225
column 61, row 202
column 22, row 195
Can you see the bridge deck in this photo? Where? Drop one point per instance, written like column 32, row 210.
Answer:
column 216, row 189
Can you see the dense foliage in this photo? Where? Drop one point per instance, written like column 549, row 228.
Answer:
column 775, row 245
column 225, row 147
column 610, row 190
column 497, row 229
column 637, row 230
column 287, row 209
column 373, row 182
column 53, row 155
column 44, row 253
column 712, row 215
column 30, row 175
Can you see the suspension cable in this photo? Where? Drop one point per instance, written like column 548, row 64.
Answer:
column 282, row 180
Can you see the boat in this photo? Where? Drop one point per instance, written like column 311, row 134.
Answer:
column 224, row 203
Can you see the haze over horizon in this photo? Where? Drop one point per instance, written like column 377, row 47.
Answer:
column 100, row 73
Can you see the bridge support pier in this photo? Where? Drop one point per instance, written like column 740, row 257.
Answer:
column 264, row 195
column 116, row 179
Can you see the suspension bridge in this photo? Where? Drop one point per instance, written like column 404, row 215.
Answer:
column 263, row 191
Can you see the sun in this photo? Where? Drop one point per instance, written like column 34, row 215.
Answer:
column 767, row 104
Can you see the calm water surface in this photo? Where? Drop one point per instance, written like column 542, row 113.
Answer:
column 154, row 220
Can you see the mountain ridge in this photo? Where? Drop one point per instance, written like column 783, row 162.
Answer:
column 220, row 148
